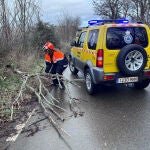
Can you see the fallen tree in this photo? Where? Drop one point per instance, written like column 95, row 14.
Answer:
column 38, row 84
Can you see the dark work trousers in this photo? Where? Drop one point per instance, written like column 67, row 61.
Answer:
column 48, row 67
column 55, row 68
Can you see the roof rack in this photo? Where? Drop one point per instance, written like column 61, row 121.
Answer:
column 101, row 22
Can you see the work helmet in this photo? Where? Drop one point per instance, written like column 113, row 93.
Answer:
column 48, row 45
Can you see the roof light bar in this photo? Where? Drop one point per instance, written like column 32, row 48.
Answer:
column 99, row 22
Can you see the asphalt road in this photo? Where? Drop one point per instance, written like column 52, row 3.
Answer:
column 116, row 118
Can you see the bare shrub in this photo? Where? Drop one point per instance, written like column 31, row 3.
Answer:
column 66, row 30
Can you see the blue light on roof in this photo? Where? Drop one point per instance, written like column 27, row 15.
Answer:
column 125, row 21
column 95, row 22
column 99, row 22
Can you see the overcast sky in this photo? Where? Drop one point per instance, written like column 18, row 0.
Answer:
column 51, row 10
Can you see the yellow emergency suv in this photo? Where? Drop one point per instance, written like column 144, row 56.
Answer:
column 112, row 52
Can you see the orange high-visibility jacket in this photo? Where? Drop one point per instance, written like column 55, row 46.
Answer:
column 57, row 56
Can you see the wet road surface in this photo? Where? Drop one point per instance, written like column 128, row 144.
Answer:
column 116, row 118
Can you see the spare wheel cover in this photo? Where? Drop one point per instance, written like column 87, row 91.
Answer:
column 132, row 59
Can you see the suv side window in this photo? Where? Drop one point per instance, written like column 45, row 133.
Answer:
column 81, row 39
column 92, row 39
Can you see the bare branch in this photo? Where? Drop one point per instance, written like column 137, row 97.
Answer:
column 45, row 98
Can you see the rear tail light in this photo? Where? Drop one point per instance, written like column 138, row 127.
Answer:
column 147, row 73
column 108, row 77
column 100, row 58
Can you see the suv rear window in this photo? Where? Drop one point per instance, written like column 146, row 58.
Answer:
column 118, row 37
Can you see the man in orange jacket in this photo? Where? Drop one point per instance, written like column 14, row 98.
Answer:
column 56, row 61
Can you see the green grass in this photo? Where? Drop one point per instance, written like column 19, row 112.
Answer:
column 39, row 66
column 10, row 85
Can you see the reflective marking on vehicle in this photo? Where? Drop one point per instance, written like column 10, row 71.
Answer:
column 114, row 25
column 89, row 52
column 126, row 25
column 99, row 58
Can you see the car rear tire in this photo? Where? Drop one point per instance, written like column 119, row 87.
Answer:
column 141, row 85
column 90, row 86
column 72, row 67
column 132, row 59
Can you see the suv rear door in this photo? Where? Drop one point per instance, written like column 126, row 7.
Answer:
column 118, row 37
column 90, row 47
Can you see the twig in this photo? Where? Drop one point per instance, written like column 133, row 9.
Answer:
column 37, row 121
column 47, row 101
column 19, row 95
column 46, row 112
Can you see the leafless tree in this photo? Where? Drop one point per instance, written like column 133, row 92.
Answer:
column 16, row 22
column 68, row 25
column 66, row 30
column 26, row 15
column 5, row 27
column 107, row 8
column 126, row 8
column 136, row 10
column 141, row 10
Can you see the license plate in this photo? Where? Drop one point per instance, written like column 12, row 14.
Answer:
column 127, row 80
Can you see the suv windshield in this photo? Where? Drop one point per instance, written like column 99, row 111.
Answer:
column 118, row 37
